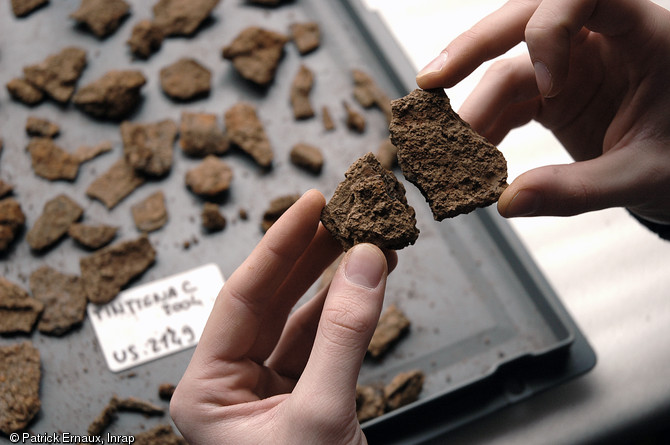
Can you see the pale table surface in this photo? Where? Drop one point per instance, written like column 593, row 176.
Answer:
column 611, row 273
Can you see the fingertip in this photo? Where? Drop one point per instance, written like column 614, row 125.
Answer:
column 431, row 75
column 365, row 265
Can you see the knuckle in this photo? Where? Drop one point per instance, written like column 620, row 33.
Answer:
column 344, row 324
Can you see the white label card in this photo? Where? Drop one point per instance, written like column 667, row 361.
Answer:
column 156, row 319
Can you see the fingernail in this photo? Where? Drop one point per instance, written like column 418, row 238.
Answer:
column 525, row 203
column 435, row 65
column 543, row 78
column 364, row 266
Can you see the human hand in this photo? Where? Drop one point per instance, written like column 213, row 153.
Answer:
column 598, row 77
column 256, row 377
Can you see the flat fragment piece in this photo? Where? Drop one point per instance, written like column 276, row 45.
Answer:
column 12, row 220
column 181, row 17
column 133, row 404
column 145, row 39
column 456, row 169
column 392, row 325
column 210, row 178
column 63, row 297
column 36, row 126
column 308, row 157
column 19, row 386
column 328, row 123
column 18, row 310
column 85, row 153
column 106, row 271
column 256, row 53
column 115, row 184
column 186, row 79
column 212, row 219
column 52, row 162
column 108, row 415
column 148, row 148
column 160, row 435
column 113, row 96
column 246, row 131
column 200, row 135
column 368, row 93
column 102, row 17
column 369, row 206
column 150, row 214
column 355, row 120
column 57, row 75
column 299, row 96
column 57, row 216
column 92, row 236
column 403, row 389
column 22, row 8
column 306, row 36
column 370, row 402
column 276, row 209
column 23, row 91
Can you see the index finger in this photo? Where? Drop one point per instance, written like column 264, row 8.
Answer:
column 237, row 315
column 489, row 38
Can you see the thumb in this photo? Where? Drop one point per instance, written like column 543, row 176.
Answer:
column 564, row 190
column 348, row 320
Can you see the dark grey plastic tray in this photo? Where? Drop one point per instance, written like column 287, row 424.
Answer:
column 486, row 327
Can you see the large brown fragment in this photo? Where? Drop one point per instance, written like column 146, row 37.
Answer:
column 456, row 169
column 355, row 120
column 36, row 126
column 210, row 178
column 246, row 131
column 369, row 206
column 113, row 96
column 181, row 17
column 199, row 135
column 370, row 402
column 387, row 154
column 160, row 435
column 22, row 8
column 308, row 157
column 63, row 297
column 276, row 209
column 52, row 162
column 85, row 153
column 57, row 75
column 403, row 389
column 57, row 216
column 186, row 79
column 12, row 220
column 256, row 53
column 20, row 376
column 18, row 311
column 150, row 214
column 212, row 219
column 24, row 91
column 368, row 93
column 115, row 184
column 102, row 17
column 306, row 36
column 392, row 325
column 300, row 89
column 109, row 269
column 145, row 39
column 148, row 148
column 92, row 236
